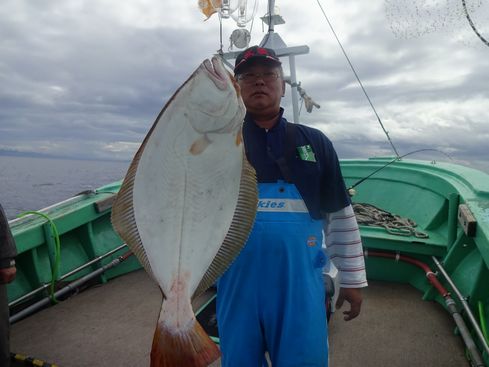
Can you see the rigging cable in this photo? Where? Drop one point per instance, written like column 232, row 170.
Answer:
column 255, row 9
column 358, row 79
column 472, row 24
column 253, row 18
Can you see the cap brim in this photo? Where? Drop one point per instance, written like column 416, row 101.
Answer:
column 265, row 59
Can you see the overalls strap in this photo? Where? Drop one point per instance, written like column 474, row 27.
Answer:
column 285, row 162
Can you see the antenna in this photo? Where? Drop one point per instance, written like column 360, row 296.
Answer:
column 273, row 40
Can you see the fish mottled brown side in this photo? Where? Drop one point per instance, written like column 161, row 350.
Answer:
column 122, row 216
column 243, row 219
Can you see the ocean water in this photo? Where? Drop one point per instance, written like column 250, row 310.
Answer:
column 34, row 183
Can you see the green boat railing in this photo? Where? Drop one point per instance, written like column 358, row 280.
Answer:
column 432, row 194
column 85, row 235
column 439, row 197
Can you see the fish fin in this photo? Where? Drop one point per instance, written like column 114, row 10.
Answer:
column 199, row 145
column 189, row 348
column 241, row 225
column 207, row 7
column 122, row 216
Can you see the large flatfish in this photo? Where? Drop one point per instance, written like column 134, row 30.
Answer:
column 187, row 205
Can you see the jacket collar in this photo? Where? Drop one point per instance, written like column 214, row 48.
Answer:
column 279, row 123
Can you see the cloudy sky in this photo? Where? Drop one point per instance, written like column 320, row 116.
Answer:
column 86, row 78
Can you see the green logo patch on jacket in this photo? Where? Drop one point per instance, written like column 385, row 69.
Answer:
column 306, row 153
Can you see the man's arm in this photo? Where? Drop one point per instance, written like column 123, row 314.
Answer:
column 344, row 247
column 7, row 275
column 7, row 251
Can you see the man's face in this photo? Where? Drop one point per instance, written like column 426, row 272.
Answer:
column 262, row 88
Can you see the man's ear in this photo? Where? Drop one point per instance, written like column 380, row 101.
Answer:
column 283, row 88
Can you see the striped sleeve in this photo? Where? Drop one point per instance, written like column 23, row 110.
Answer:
column 344, row 247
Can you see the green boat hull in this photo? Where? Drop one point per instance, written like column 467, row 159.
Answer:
column 428, row 193
column 85, row 233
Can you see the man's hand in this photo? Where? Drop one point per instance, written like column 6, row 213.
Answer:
column 354, row 297
column 7, row 275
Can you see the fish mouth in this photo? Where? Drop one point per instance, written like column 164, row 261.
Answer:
column 216, row 72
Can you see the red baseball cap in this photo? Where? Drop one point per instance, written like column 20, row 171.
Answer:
column 255, row 53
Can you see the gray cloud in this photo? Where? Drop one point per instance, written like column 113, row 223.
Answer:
column 87, row 79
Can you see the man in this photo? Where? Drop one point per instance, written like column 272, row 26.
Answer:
column 272, row 298
column 7, row 274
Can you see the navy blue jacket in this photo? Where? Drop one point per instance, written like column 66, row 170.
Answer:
column 319, row 182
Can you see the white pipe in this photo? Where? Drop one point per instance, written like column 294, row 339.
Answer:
column 293, row 84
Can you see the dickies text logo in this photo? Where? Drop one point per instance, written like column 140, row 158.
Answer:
column 276, row 205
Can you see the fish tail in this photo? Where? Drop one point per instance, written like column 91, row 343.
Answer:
column 190, row 348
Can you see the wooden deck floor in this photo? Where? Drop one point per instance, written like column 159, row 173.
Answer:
column 113, row 325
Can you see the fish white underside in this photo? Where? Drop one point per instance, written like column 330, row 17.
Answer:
column 182, row 227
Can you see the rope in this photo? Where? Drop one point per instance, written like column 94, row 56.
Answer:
column 57, row 250
column 30, row 361
column 370, row 215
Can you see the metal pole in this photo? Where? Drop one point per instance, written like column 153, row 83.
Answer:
column 465, row 305
column 293, row 84
column 70, row 287
column 464, row 332
column 271, row 10
column 74, row 271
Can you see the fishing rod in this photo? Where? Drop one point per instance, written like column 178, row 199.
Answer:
column 395, row 160
column 358, row 79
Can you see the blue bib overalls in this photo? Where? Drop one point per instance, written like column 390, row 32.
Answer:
column 272, row 298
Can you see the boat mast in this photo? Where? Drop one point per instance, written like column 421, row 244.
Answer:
column 274, row 41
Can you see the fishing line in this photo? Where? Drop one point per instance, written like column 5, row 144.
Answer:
column 398, row 159
column 482, row 319
column 253, row 18
column 358, row 79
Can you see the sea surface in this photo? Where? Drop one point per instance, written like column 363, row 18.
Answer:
column 34, row 183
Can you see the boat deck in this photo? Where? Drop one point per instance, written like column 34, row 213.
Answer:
column 113, row 325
